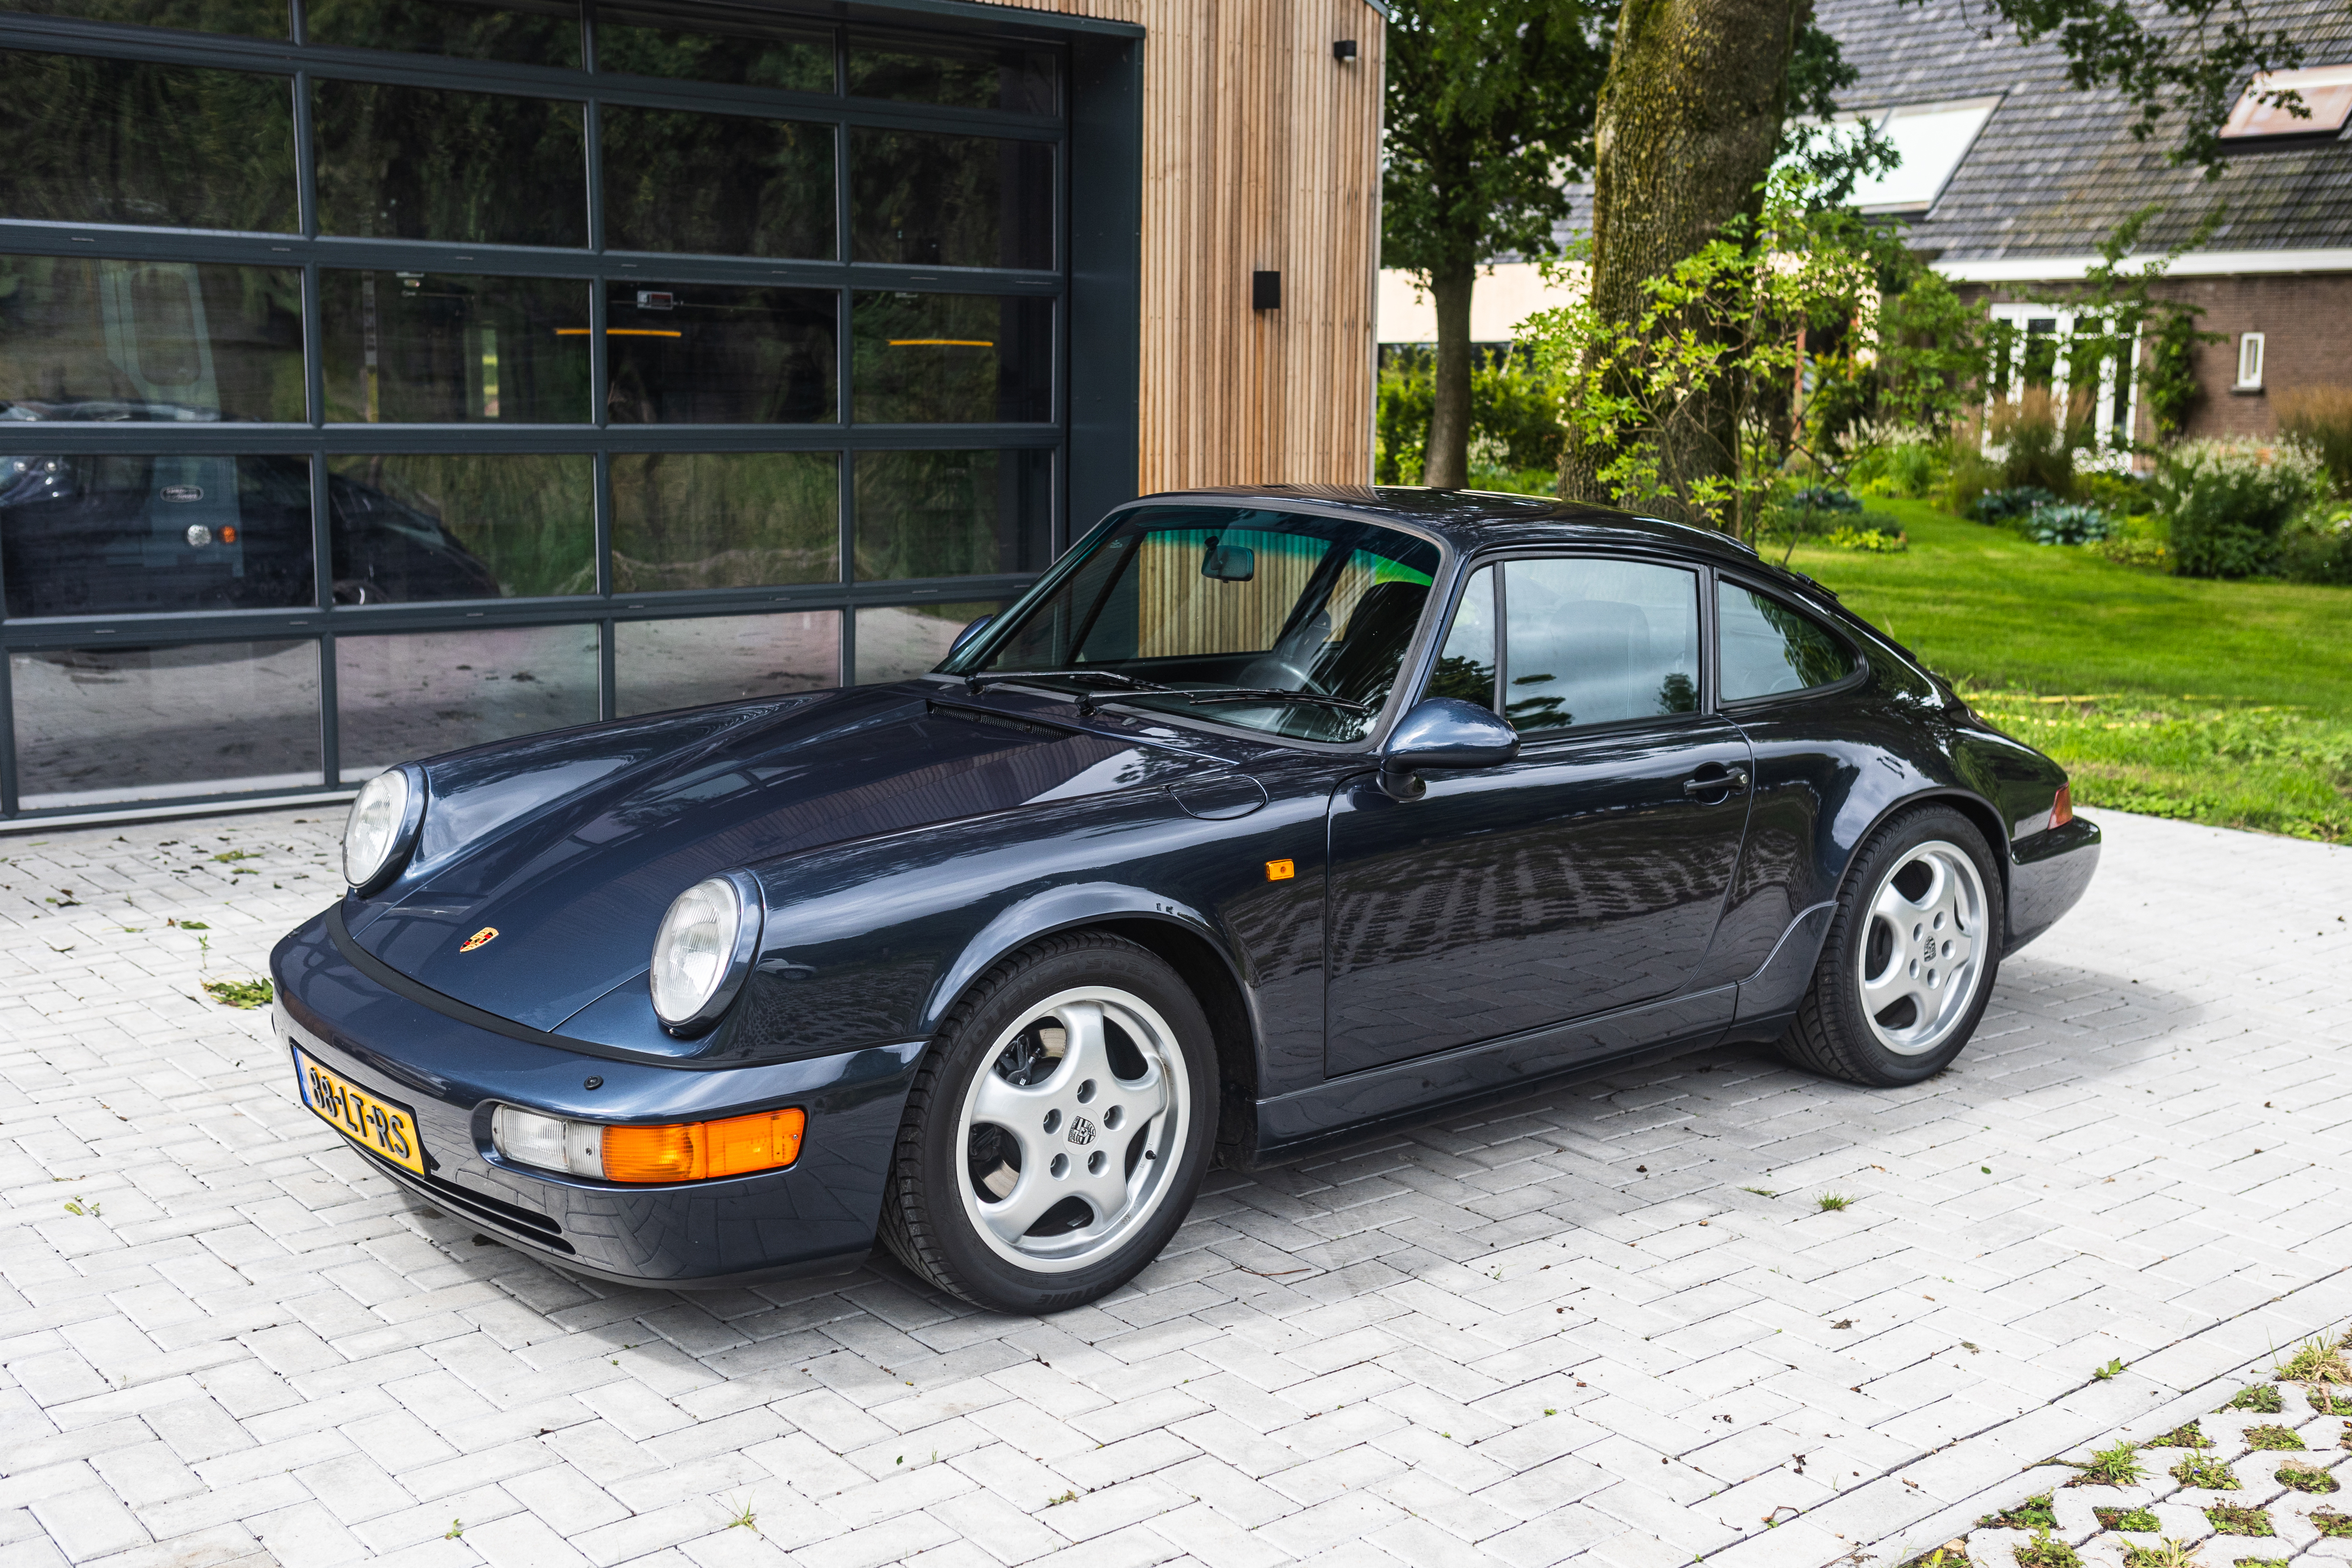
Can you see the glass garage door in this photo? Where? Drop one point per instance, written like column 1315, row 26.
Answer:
column 380, row 377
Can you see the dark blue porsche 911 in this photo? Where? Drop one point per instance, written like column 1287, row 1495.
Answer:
column 1266, row 818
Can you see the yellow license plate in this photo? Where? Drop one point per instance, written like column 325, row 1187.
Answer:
column 369, row 1119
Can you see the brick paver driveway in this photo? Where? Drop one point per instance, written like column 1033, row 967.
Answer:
column 1608, row 1321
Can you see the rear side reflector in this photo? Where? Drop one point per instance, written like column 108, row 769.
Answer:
column 2061, row 809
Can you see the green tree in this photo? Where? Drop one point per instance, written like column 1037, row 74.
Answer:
column 1696, row 105
column 1489, row 114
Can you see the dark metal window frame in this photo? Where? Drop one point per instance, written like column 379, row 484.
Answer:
column 1094, row 286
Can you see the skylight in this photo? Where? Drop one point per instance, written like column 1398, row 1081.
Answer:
column 1932, row 139
column 2326, row 94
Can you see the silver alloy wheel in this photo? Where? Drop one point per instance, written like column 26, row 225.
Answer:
column 1071, row 1135
column 1924, row 947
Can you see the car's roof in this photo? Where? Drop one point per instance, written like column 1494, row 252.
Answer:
column 1472, row 520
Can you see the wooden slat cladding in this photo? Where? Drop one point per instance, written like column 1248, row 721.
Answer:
column 1261, row 152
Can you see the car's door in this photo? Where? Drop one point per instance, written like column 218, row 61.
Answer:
column 1586, row 875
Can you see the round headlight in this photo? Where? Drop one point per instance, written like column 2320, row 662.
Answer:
column 375, row 833
column 702, row 950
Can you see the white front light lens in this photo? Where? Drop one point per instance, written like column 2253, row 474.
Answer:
column 694, row 952
column 372, row 832
column 550, row 1142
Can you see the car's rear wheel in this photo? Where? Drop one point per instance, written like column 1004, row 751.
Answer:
column 1909, row 960
column 1057, row 1130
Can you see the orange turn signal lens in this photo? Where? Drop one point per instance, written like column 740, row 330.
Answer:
column 700, row 1151
column 2061, row 809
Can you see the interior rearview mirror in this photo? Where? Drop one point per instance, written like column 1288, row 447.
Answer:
column 1229, row 563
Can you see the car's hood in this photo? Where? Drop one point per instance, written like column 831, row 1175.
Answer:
column 573, row 845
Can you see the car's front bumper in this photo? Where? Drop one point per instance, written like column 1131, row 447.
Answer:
column 816, row 1217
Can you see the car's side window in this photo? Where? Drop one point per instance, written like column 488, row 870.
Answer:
column 1768, row 647
column 1465, row 665
column 1589, row 641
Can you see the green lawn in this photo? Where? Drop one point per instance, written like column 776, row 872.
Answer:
column 2228, row 703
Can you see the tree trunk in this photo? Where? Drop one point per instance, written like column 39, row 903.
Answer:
column 1446, row 457
column 1688, row 121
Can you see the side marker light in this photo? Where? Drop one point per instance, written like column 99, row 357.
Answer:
column 2061, row 809
column 1280, row 870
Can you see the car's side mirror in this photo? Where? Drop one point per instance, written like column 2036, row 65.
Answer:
column 1443, row 732
column 972, row 628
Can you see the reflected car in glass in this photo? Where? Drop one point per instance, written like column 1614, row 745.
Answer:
column 119, row 533
column 1265, row 819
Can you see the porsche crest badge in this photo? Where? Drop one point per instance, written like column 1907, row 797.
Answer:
column 483, row 937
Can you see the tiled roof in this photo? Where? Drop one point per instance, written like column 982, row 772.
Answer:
column 2055, row 170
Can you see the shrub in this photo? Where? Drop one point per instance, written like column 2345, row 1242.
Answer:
column 2010, row 505
column 1514, row 429
column 2068, row 523
column 1967, row 475
column 1911, row 469
column 2117, row 494
column 2321, row 419
column 2317, row 547
column 2228, row 501
column 2037, row 441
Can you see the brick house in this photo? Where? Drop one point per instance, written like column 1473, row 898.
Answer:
column 2011, row 179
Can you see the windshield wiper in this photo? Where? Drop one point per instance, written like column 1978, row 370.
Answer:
column 1125, row 683
column 1271, row 695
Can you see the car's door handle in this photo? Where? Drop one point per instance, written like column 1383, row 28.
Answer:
column 1731, row 781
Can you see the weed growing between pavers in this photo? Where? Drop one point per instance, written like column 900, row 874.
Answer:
column 245, row 994
column 2270, row 1437
column 2206, row 1475
column 2042, row 1551
column 2327, row 1402
column 2164, row 1554
column 2234, row 1519
column 2125, row 1519
column 2033, row 1513
column 2186, row 1436
column 2261, row 1399
column 2307, row 1478
column 2260, row 1562
column 2116, row 1466
column 2316, row 1360
column 1952, row 1554
column 2333, row 1525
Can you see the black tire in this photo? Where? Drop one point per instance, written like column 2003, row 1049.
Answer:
column 926, row 1221
column 1833, row 1033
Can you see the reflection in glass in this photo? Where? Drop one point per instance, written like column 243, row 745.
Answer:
column 951, row 359
column 899, row 641
column 716, row 184
column 725, row 520
column 414, row 163
column 1766, row 647
column 411, row 527
column 659, row 664
column 118, row 534
column 96, row 725
column 960, row 73
column 442, row 347
column 84, row 339
column 1465, row 665
column 700, row 354
column 524, row 32
column 404, row 698
column 742, row 51
column 953, row 514
column 1591, row 642
column 121, row 141
column 253, row 18
column 951, row 201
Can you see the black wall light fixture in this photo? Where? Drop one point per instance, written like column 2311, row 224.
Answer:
column 1265, row 291
column 1343, row 49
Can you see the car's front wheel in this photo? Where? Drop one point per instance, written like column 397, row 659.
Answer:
column 1057, row 1130
column 1908, row 963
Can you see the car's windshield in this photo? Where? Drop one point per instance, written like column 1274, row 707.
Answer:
column 1280, row 622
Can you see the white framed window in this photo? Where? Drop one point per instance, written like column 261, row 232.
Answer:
column 2250, row 362
column 2055, row 348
